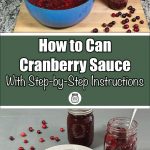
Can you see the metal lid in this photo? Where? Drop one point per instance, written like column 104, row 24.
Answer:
column 80, row 112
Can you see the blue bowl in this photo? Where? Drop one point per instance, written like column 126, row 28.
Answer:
column 60, row 18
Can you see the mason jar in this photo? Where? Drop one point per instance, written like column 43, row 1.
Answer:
column 117, row 4
column 119, row 136
column 80, row 126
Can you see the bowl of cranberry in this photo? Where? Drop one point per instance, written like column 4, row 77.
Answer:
column 59, row 13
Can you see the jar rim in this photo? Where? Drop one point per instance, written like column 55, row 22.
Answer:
column 80, row 112
column 118, row 123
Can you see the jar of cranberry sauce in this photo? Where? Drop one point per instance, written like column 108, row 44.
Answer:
column 119, row 136
column 117, row 4
column 80, row 125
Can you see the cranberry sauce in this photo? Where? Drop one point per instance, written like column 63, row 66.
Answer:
column 57, row 4
column 117, row 4
column 119, row 137
column 80, row 127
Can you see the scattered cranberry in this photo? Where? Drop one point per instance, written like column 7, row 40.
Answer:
column 11, row 138
column 126, row 26
column 130, row 8
column 57, row 139
column 137, row 17
column 129, row 31
column 95, row 30
column 119, row 13
column 20, row 148
column 135, row 26
column 32, row 148
column 141, row 22
column 23, row 134
column 41, row 140
column 25, row 141
column 52, row 138
column 129, row 15
column 123, row 15
column 62, row 129
column 106, row 29
column 132, row 11
column 31, row 129
column 104, row 25
column 39, row 132
column 44, row 122
column 136, row 29
column 133, row 19
column 113, row 22
column 126, row 20
column 44, row 126
column 113, row 15
column 116, row 15
column 123, row 22
column 110, row 25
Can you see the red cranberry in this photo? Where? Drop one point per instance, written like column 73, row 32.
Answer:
column 132, row 11
column 31, row 129
column 141, row 22
column 113, row 15
column 126, row 26
column 44, row 126
column 20, row 148
column 57, row 139
column 130, row 8
column 106, row 29
column 129, row 31
column 137, row 17
column 123, row 15
column 23, row 134
column 25, row 141
column 110, row 25
column 136, row 29
column 62, row 129
column 104, row 25
column 123, row 22
column 44, row 122
column 116, row 15
column 129, row 15
column 119, row 13
column 41, row 140
column 11, row 138
column 135, row 26
column 113, row 22
column 32, row 148
column 39, row 132
column 126, row 20
column 52, row 138
column 95, row 30
column 133, row 19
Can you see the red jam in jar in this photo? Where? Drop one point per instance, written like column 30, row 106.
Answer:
column 57, row 4
column 80, row 124
column 117, row 4
column 119, row 136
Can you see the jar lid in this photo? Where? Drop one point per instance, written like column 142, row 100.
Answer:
column 80, row 112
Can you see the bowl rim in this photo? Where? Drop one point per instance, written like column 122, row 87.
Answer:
column 58, row 9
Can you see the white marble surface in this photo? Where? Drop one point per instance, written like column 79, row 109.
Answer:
column 9, row 10
column 12, row 122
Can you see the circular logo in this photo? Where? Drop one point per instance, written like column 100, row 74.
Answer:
column 74, row 98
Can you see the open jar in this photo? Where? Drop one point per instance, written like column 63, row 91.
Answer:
column 119, row 136
column 80, row 125
column 117, row 4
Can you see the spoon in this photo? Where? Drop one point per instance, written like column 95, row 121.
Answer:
column 132, row 118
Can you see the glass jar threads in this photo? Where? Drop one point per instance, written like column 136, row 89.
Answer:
column 119, row 136
column 117, row 4
column 80, row 125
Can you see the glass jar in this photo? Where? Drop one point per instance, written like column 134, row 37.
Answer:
column 80, row 125
column 119, row 136
column 117, row 4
